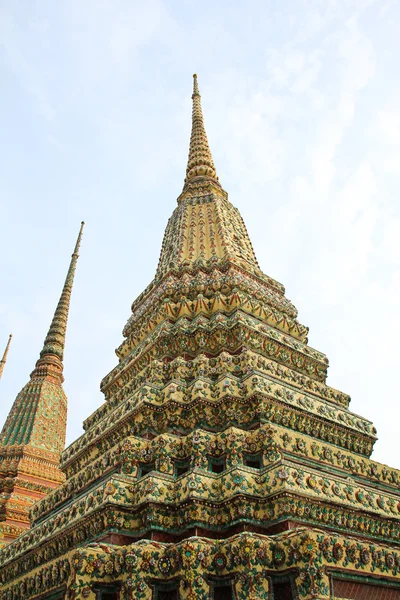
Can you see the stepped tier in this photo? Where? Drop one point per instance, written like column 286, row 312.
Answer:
column 215, row 371
column 188, row 284
column 246, row 386
column 166, row 450
column 178, row 409
column 256, row 566
column 296, row 480
column 26, row 475
column 221, row 464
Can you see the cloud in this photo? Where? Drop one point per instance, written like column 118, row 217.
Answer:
column 82, row 45
column 17, row 59
column 301, row 110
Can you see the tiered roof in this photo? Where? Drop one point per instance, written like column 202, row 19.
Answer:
column 220, row 459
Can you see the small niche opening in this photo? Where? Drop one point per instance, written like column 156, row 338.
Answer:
column 107, row 592
column 217, row 465
column 145, row 468
column 166, row 591
column 253, row 460
column 182, row 467
column 222, row 590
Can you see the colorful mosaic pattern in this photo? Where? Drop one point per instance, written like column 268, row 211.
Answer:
column 33, row 436
column 248, row 561
column 220, row 453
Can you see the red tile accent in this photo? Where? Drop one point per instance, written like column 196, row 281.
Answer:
column 364, row 591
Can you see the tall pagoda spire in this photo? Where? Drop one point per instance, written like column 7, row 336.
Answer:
column 55, row 339
column 205, row 228
column 33, row 435
column 3, row 360
column 25, row 419
column 200, row 161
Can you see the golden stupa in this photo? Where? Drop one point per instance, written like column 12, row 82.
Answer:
column 220, row 465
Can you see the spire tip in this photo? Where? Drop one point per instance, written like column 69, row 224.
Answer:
column 78, row 241
column 55, row 339
column 3, row 360
column 195, row 84
column 200, row 162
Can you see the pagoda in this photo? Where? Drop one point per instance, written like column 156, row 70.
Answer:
column 4, row 359
column 33, row 435
column 220, row 465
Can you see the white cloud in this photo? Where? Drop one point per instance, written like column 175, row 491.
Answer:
column 301, row 108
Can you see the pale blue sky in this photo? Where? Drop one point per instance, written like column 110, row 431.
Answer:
column 301, row 101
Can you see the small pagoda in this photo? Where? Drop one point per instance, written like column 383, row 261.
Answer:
column 220, row 465
column 33, row 436
column 4, row 359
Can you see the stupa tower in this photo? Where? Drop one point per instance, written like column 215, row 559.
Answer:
column 221, row 465
column 33, row 435
column 4, row 359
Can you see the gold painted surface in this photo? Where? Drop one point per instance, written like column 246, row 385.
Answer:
column 214, row 368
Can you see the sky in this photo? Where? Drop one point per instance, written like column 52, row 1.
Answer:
column 301, row 103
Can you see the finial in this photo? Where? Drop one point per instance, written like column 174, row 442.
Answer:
column 78, row 241
column 195, row 85
column 55, row 339
column 200, row 161
column 3, row 360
